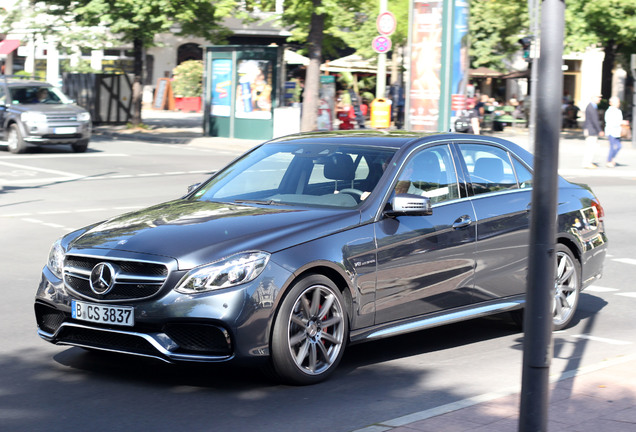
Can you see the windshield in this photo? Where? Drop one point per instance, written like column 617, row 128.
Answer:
column 37, row 95
column 321, row 175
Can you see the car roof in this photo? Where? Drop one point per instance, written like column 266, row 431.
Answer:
column 13, row 82
column 362, row 137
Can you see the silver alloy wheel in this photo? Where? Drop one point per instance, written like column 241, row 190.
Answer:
column 316, row 330
column 566, row 289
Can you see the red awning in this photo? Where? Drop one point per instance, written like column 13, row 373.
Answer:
column 8, row 45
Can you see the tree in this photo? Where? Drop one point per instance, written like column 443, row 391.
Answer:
column 610, row 24
column 138, row 22
column 495, row 28
column 318, row 25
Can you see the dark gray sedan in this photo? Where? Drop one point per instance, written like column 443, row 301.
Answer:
column 310, row 242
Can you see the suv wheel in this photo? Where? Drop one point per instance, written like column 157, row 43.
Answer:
column 14, row 139
column 80, row 146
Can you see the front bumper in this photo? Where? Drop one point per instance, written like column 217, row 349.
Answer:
column 59, row 134
column 172, row 327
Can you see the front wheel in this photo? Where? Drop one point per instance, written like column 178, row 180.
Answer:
column 80, row 146
column 15, row 142
column 310, row 332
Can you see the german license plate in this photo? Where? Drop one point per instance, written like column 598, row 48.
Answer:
column 65, row 130
column 103, row 314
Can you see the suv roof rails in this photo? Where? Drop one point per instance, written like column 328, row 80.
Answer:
column 22, row 77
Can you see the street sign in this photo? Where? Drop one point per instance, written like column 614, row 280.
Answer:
column 386, row 23
column 381, row 44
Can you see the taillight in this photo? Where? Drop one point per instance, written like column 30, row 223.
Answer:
column 598, row 209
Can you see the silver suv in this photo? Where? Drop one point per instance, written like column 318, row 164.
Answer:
column 37, row 113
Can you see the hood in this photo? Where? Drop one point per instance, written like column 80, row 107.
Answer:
column 198, row 232
column 49, row 108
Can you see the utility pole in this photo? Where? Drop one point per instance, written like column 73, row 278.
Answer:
column 537, row 341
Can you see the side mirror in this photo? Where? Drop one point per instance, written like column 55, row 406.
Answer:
column 409, row 205
column 193, row 187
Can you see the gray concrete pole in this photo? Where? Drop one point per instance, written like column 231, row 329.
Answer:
column 537, row 342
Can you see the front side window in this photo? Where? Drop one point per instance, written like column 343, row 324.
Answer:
column 430, row 173
column 489, row 167
column 295, row 174
column 37, row 95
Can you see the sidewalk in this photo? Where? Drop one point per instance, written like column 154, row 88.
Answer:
column 592, row 399
column 175, row 127
column 595, row 398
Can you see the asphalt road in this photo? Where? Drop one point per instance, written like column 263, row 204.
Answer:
column 47, row 193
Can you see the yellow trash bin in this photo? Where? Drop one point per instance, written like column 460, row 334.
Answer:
column 381, row 113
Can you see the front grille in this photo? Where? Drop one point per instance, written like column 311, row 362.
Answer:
column 133, row 280
column 105, row 339
column 48, row 319
column 199, row 338
column 61, row 118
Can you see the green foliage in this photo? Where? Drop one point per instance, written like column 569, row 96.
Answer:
column 83, row 66
column 188, row 78
column 142, row 20
column 495, row 28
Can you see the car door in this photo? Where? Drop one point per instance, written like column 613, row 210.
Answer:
column 426, row 263
column 501, row 187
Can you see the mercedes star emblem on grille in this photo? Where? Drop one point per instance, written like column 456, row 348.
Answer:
column 102, row 278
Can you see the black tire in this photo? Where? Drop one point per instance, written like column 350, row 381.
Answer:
column 567, row 290
column 310, row 332
column 15, row 142
column 80, row 146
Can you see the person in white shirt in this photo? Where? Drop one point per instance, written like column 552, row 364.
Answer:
column 613, row 124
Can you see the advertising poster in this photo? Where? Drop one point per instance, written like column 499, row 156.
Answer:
column 426, row 53
column 460, row 48
column 221, row 87
column 254, row 89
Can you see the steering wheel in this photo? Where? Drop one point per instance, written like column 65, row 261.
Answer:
column 352, row 191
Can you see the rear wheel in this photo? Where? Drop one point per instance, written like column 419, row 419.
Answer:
column 15, row 141
column 567, row 290
column 310, row 332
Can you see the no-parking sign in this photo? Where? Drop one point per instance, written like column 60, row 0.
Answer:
column 381, row 44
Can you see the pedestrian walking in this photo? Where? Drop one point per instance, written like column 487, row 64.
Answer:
column 613, row 126
column 592, row 130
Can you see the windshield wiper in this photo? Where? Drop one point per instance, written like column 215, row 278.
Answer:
column 261, row 202
column 254, row 201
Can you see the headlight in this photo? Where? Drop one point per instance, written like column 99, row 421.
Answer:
column 84, row 117
column 33, row 117
column 234, row 270
column 56, row 259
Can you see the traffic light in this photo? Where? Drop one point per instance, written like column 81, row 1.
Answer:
column 526, row 43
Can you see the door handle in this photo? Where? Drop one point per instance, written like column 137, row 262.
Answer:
column 462, row 222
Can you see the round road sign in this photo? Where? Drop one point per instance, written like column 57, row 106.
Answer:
column 386, row 23
column 381, row 44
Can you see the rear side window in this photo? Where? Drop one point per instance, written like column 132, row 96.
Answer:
column 490, row 168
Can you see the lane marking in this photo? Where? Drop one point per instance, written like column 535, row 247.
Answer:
column 631, row 261
column 65, row 212
column 629, row 294
column 77, row 177
column 603, row 340
column 44, row 170
column 599, row 289
column 56, row 156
